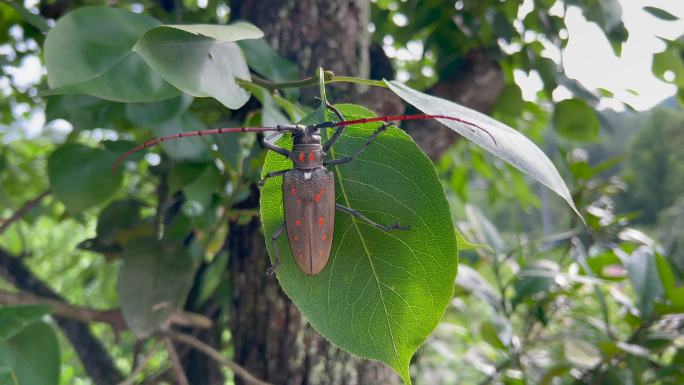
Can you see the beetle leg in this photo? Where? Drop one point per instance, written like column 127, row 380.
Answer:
column 274, row 238
column 358, row 215
column 338, row 132
column 271, row 146
column 358, row 152
column 262, row 181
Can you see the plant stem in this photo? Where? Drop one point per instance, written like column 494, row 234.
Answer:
column 23, row 210
column 213, row 354
column 312, row 81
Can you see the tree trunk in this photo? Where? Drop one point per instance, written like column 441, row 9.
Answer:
column 270, row 337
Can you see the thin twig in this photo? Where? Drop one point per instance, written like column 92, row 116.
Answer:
column 215, row 355
column 181, row 378
column 308, row 82
column 84, row 314
column 130, row 380
column 23, row 210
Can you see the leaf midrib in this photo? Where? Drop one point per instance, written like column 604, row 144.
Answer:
column 365, row 248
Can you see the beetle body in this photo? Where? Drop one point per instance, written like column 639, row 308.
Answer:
column 309, row 202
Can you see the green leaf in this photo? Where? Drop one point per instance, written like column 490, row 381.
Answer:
column 581, row 353
column 13, row 319
column 498, row 332
column 84, row 112
column 381, row 293
column 35, row 20
column 33, row 356
column 212, row 277
column 265, row 61
column 574, row 119
column 187, row 149
column 510, row 102
column 464, row 244
column 154, row 114
column 643, row 274
column 81, row 177
column 153, row 283
column 536, row 277
column 661, row 13
column 201, row 60
column 90, row 51
column 511, row 145
column 669, row 61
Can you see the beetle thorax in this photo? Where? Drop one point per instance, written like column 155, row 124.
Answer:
column 307, row 151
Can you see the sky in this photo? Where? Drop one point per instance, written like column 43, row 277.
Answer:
column 590, row 59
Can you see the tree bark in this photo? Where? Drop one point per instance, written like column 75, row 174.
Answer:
column 271, row 339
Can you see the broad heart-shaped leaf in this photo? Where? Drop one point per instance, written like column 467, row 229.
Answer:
column 90, row 51
column 153, row 282
column 31, row 357
column 511, row 146
column 381, row 293
column 81, row 177
column 201, row 60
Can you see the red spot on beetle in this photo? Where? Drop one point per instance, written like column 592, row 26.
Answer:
column 298, row 222
column 293, row 191
column 325, row 236
column 321, row 254
column 321, row 221
column 296, row 238
column 301, row 156
column 318, row 197
column 301, row 255
column 312, row 156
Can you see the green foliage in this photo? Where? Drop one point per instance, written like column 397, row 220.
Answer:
column 654, row 166
column 30, row 357
column 574, row 119
column 200, row 60
column 153, row 283
column 601, row 306
column 102, row 64
column 81, row 177
column 381, row 293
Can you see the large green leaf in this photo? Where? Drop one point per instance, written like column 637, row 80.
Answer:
column 153, row 283
column 574, row 119
column 381, row 293
column 81, row 177
column 90, row 51
column 201, row 60
column 511, row 145
column 31, row 357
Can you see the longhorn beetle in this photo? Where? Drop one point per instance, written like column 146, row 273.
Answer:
column 309, row 188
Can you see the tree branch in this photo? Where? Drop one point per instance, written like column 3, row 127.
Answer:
column 113, row 317
column 181, row 378
column 95, row 359
column 23, row 210
column 213, row 354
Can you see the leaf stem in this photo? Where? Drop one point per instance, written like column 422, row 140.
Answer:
column 312, row 81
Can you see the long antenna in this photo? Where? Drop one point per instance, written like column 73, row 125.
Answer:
column 282, row 128
column 213, row 131
column 404, row 117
